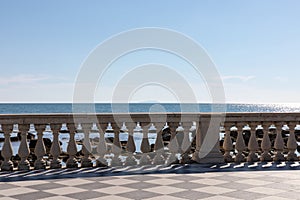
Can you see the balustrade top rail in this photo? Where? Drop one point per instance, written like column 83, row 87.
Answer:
column 146, row 117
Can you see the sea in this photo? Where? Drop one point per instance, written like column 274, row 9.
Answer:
column 27, row 108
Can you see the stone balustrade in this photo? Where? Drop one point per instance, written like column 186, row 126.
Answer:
column 107, row 140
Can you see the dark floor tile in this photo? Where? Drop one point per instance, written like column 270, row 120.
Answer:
column 184, row 178
column 96, row 185
column 46, row 186
column 143, row 178
column 235, row 185
column 7, row 186
column 188, row 185
column 191, row 195
column 86, row 195
column 141, row 185
column 139, row 194
column 33, row 195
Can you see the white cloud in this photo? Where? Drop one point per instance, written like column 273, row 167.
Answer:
column 242, row 78
column 22, row 79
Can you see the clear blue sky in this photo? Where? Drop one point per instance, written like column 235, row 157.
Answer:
column 254, row 44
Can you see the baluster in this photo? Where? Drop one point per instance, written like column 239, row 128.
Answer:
column 72, row 148
column 159, row 148
column 292, row 144
column 185, row 146
column 252, row 145
column 24, row 149
column 7, row 164
column 55, row 149
column 86, row 146
column 227, row 145
column 240, row 145
column 130, row 147
column 173, row 147
column 279, row 144
column 266, row 145
column 116, row 148
column 40, row 149
column 145, row 146
column 101, row 149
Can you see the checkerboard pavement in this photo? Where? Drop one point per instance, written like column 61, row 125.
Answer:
column 181, row 183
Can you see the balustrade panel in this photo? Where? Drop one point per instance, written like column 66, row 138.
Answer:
column 118, row 140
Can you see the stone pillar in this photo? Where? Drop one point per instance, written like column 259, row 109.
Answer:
column 7, row 164
column 40, row 149
column 252, row 145
column 292, row 144
column 72, row 148
column 227, row 145
column 24, row 148
column 266, row 145
column 208, row 148
column 55, row 149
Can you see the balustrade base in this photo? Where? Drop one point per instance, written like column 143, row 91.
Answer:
column 172, row 159
column 116, row 161
column 279, row 157
column 55, row 164
column 209, row 158
column 72, row 163
column 7, row 166
column 239, row 158
column 292, row 157
column 159, row 159
column 252, row 157
column 39, row 164
column 24, row 165
column 145, row 160
column 130, row 160
column 86, row 162
column 101, row 162
column 266, row 157
column 185, row 159
column 228, row 158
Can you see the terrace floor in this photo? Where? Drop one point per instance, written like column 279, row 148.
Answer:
column 177, row 182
